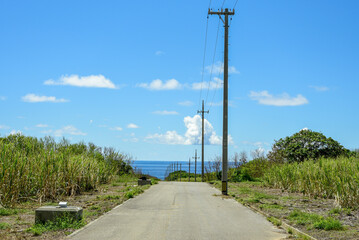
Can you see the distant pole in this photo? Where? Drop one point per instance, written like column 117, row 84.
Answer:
column 177, row 171
column 226, row 13
column 195, row 166
column 189, row 169
column 203, row 112
column 180, row 171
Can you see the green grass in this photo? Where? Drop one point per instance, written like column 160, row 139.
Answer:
column 133, row 191
column 324, row 178
column 275, row 221
column 58, row 224
column 4, row 225
column 271, row 206
column 8, row 211
column 108, row 197
column 315, row 221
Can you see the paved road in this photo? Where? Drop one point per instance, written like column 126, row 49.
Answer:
column 174, row 210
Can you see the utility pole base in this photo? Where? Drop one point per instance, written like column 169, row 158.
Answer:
column 224, row 188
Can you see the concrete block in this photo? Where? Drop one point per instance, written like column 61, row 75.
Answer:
column 50, row 213
column 144, row 182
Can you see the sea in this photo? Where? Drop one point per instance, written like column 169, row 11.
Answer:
column 160, row 169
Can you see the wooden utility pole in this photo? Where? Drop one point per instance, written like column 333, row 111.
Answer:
column 226, row 13
column 203, row 112
column 189, row 169
column 180, row 171
column 195, row 165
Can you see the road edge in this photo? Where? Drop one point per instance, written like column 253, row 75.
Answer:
column 106, row 213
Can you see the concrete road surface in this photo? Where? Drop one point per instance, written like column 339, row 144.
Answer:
column 175, row 210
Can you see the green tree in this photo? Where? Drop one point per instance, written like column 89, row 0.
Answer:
column 306, row 144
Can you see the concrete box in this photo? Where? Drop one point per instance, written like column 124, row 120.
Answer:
column 144, row 182
column 50, row 213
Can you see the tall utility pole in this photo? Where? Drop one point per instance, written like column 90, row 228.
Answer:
column 189, row 169
column 226, row 13
column 203, row 112
column 195, row 165
column 180, row 172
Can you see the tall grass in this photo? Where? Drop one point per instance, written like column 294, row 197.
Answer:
column 326, row 178
column 40, row 169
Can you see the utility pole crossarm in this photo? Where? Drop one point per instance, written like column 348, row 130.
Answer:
column 222, row 12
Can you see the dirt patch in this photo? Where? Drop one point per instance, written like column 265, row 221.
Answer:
column 320, row 218
column 95, row 204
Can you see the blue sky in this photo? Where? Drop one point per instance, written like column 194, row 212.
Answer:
column 128, row 74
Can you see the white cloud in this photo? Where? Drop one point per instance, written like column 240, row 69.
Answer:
column 320, row 88
column 186, row 103
column 157, row 84
column 2, row 98
column 170, row 137
column 215, row 84
column 4, row 127
column 14, row 132
column 132, row 125
column 255, row 144
column 41, row 125
column 304, row 129
column 219, row 104
column 159, row 53
column 117, row 128
column 68, row 130
column 284, row 99
column 192, row 136
column 95, row 81
column 217, row 68
column 36, row 98
column 166, row 112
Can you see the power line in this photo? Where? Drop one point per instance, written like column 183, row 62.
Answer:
column 204, row 58
column 214, row 56
column 235, row 5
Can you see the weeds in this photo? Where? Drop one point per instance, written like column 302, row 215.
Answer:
column 4, row 225
column 275, row 221
column 42, row 169
column 315, row 221
column 8, row 211
column 326, row 178
column 58, row 224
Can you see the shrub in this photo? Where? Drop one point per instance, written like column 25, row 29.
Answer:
column 304, row 145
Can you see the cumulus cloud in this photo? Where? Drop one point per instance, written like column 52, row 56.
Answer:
column 320, row 88
column 159, row 53
column 14, row 132
column 132, row 125
column 94, row 81
column 116, row 129
column 158, row 84
column 41, row 125
column 69, row 130
column 33, row 98
column 192, row 136
column 217, row 68
column 215, row 84
column 186, row 103
column 165, row 112
column 284, row 99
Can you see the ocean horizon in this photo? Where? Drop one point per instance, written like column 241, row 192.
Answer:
column 159, row 169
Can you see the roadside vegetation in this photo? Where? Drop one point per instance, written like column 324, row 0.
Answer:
column 41, row 169
column 306, row 180
column 36, row 172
